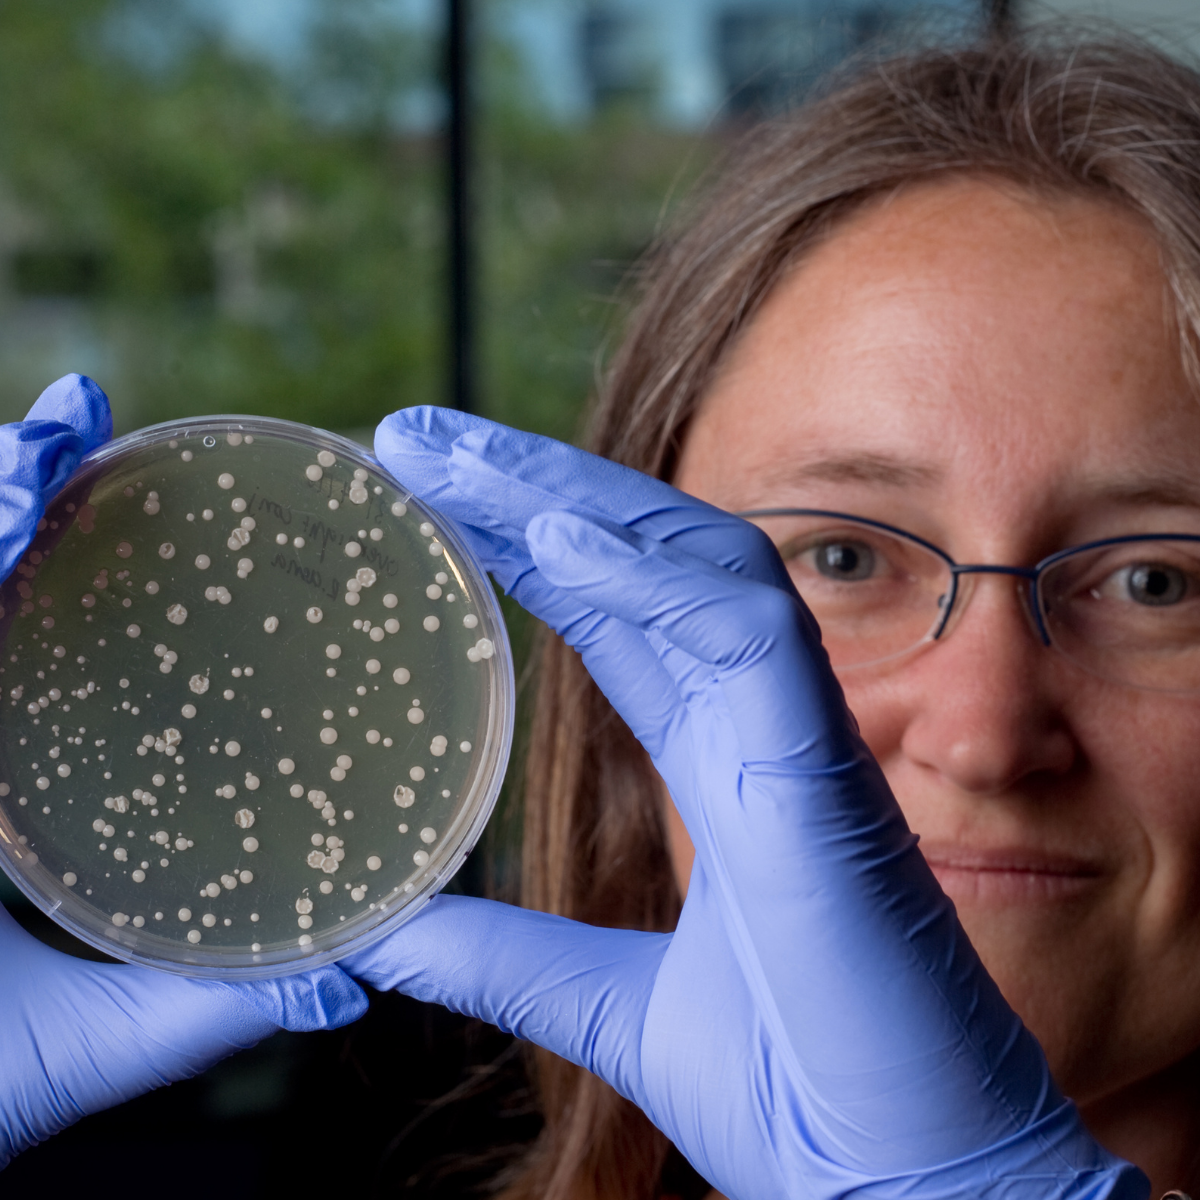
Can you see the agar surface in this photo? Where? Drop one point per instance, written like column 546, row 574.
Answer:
column 217, row 719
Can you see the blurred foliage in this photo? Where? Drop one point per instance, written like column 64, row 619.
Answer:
column 563, row 212
column 204, row 231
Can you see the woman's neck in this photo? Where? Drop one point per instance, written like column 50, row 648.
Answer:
column 1155, row 1123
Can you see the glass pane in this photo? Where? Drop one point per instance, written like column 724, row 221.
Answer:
column 219, row 207
column 596, row 117
column 1173, row 25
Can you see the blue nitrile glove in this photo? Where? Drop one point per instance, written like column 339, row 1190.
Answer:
column 818, row 1025
column 76, row 1036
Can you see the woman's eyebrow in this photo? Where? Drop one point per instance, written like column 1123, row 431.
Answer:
column 881, row 469
column 1149, row 491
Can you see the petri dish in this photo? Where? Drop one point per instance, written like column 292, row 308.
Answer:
column 256, row 700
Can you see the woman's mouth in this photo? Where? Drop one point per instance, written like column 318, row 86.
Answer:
column 1009, row 876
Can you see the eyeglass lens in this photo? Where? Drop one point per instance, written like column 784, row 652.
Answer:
column 1129, row 611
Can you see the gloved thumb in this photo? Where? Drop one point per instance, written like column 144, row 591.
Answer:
column 326, row 998
column 38, row 455
column 578, row 990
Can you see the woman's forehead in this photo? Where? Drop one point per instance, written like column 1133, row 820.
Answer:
column 957, row 330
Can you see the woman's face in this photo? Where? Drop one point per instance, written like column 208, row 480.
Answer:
column 996, row 373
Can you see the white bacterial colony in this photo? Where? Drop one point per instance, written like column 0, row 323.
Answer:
column 222, row 674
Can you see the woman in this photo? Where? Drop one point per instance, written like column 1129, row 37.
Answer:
column 948, row 312
column 1114, row 126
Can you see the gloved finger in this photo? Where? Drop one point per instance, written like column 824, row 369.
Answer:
column 761, row 642
column 497, row 479
column 325, row 998
column 638, row 685
column 417, row 456
column 414, row 445
column 574, row 989
column 79, row 402
column 78, row 1037
column 38, row 455
column 827, row 901
column 591, row 633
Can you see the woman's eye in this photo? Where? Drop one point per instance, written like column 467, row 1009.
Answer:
column 844, row 560
column 1155, row 583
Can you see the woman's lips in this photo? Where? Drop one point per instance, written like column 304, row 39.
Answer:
column 1009, row 876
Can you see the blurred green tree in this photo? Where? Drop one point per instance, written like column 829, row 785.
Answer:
column 206, row 231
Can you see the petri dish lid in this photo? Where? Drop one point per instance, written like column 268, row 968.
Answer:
column 256, row 700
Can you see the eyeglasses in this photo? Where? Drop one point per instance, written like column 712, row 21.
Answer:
column 1126, row 609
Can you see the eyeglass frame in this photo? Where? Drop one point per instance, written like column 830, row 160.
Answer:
column 1032, row 575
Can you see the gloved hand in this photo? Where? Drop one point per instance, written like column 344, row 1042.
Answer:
column 76, row 1036
column 818, row 1025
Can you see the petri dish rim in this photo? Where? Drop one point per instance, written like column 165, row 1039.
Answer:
column 48, row 893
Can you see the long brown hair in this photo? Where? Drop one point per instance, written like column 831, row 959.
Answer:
column 1059, row 114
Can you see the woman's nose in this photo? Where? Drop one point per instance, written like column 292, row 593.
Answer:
column 984, row 701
